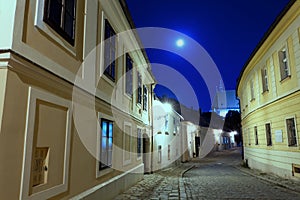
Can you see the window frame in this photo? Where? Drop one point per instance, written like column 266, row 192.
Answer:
column 265, row 79
column 284, row 66
column 145, row 98
column 60, row 28
column 109, row 66
column 139, row 96
column 139, row 144
column 128, row 75
column 268, row 134
column 295, row 144
column 103, row 166
column 256, row 135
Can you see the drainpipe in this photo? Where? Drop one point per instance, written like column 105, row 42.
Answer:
column 151, row 125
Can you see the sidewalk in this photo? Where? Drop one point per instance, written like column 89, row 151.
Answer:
column 291, row 184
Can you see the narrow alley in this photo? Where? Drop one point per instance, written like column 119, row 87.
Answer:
column 218, row 176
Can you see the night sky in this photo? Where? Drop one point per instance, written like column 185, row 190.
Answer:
column 228, row 30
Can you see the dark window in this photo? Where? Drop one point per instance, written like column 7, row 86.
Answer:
column 109, row 51
column 139, row 90
column 159, row 154
column 264, row 74
column 106, row 144
column 283, row 63
column 291, row 132
column 139, row 142
column 255, row 134
column 169, row 152
column 129, row 64
column 61, row 16
column 145, row 97
column 268, row 134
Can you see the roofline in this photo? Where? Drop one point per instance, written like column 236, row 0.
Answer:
column 264, row 38
column 126, row 11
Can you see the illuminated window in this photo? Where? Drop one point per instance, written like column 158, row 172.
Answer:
column 291, row 132
column 268, row 134
column 283, row 63
column 110, row 48
column 264, row 74
column 128, row 75
column 106, row 144
column 61, row 16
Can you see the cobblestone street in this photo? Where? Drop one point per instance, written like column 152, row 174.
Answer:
column 218, row 176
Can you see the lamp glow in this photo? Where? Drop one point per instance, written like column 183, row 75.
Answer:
column 180, row 42
column 167, row 107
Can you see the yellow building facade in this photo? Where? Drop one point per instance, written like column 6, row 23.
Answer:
column 75, row 111
column 269, row 93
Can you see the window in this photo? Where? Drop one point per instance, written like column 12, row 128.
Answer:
column 145, row 97
column 169, row 152
column 268, row 134
column 159, row 154
column 139, row 90
column 283, row 63
column 128, row 76
column 252, row 90
column 291, row 132
column 139, row 142
column 61, row 16
column 106, row 144
column 255, row 134
column 109, row 51
column 264, row 74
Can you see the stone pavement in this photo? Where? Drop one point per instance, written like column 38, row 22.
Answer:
column 164, row 184
column 218, row 176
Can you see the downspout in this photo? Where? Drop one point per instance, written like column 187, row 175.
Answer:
column 151, row 125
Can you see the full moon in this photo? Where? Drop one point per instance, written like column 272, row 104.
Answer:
column 179, row 42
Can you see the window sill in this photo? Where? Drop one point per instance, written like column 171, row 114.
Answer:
column 103, row 172
column 108, row 79
column 253, row 99
column 265, row 92
column 285, row 79
column 295, row 145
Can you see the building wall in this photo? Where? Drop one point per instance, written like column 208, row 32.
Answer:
column 167, row 136
column 275, row 105
column 52, row 104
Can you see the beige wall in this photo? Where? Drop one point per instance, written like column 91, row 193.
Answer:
column 38, row 106
column 274, row 106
